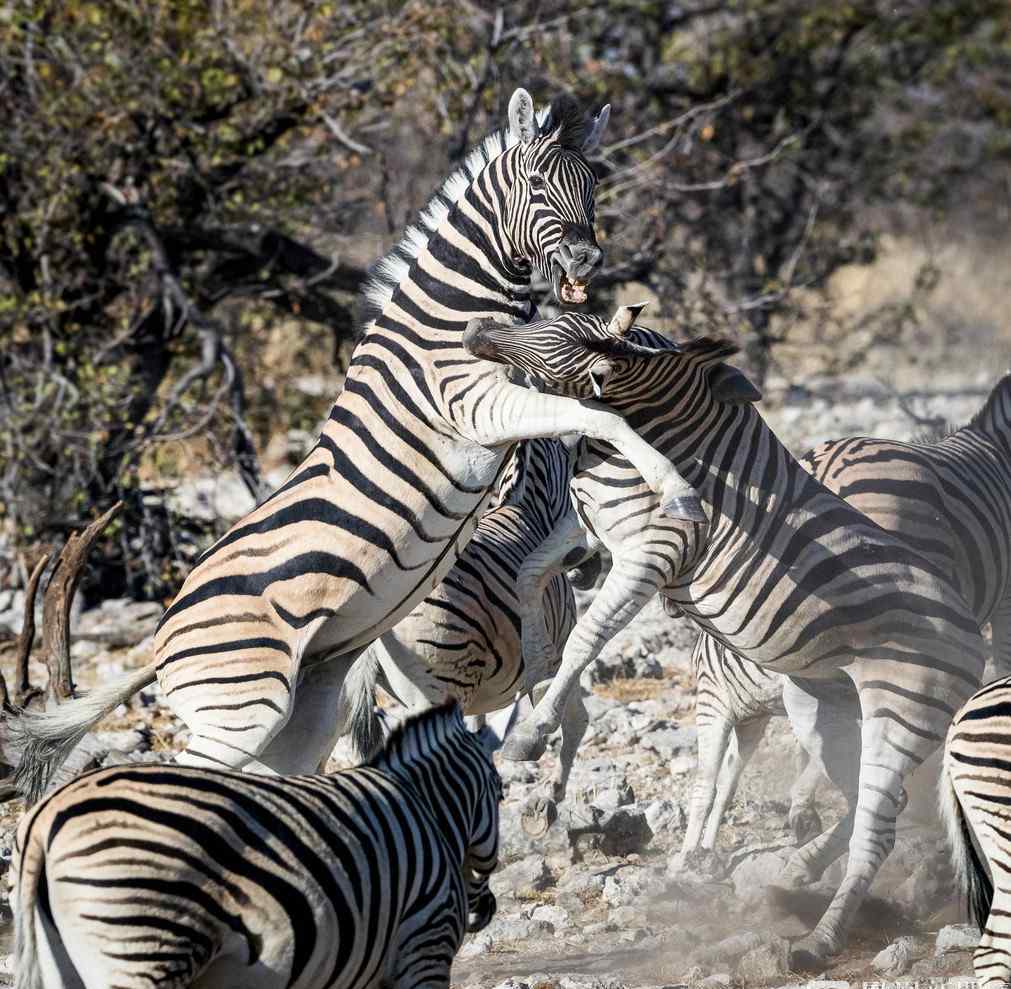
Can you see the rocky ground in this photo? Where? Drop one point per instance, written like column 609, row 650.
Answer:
column 599, row 901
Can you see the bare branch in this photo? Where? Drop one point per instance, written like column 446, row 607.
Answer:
column 58, row 600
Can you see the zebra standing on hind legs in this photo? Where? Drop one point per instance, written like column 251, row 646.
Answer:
column 253, row 653
column 786, row 574
column 182, row 877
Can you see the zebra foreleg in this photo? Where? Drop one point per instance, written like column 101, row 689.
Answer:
column 713, row 744
column 541, row 811
column 511, row 413
column 825, row 717
column 627, row 589
column 556, row 553
column 804, row 819
column 749, row 735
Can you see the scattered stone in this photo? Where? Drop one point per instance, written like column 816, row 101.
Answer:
column 718, row 980
column 476, row 945
column 554, row 917
column 956, row 937
column 764, row 961
column 522, row 880
column 670, row 742
column 627, row 666
column 730, row 949
column 897, row 958
column 118, row 623
column 752, row 871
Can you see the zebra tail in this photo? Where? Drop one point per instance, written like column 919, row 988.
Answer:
column 971, row 875
column 46, row 738
column 363, row 722
column 27, row 966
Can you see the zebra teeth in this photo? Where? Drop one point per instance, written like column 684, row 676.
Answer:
column 573, row 290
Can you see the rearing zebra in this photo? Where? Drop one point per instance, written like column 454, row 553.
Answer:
column 787, row 574
column 180, row 877
column 379, row 510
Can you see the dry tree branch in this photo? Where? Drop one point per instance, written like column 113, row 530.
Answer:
column 58, row 599
column 24, row 691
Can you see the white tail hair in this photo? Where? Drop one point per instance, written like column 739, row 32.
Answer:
column 46, row 738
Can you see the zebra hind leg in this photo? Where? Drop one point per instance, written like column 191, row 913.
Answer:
column 825, row 717
column 318, row 719
column 633, row 580
column 900, row 729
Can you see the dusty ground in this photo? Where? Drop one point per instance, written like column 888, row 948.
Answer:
column 595, row 902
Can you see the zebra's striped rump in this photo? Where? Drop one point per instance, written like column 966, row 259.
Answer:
column 975, row 797
column 180, row 877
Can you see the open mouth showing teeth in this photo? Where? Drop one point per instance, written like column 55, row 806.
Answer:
column 572, row 290
column 569, row 291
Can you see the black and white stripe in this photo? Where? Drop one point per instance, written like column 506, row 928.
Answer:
column 178, row 877
column 975, row 797
column 463, row 640
column 378, row 512
column 874, row 636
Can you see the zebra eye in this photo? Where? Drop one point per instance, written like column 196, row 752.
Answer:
column 536, row 181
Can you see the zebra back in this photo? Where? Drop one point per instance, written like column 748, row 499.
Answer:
column 161, row 873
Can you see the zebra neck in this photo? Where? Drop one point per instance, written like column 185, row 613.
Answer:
column 457, row 264
column 437, row 784
column 994, row 418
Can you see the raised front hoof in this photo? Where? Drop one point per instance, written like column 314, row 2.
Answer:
column 810, row 955
column 805, row 824
column 524, row 745
column 687, row 507
column 539, row 813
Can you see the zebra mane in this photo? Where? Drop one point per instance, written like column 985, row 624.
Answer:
column 391, row 269
column 1000, row 395
column 420, row 734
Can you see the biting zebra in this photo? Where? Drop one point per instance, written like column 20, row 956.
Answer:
column 879, row 645
column 253, row 652
column 975, row 793
column 185, row 877
column 463, row 640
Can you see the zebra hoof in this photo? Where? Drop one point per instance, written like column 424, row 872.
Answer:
column 809, row 955
column 524, row 745
column 687, row 507
column 538, row 815
column 805, row 824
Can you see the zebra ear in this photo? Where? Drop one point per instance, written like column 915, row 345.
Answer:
column 623, row 320
column 730, row 385
column 597, row 130
column 522, row 124
column 599, row 373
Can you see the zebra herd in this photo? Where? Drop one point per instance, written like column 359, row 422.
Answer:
column 847, row 591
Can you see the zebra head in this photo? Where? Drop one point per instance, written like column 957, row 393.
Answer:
column 582, row 356
column 549, row 209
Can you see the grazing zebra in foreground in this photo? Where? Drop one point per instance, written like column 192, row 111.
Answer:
column 463, row 640
column 379, row 510
column 873, row 635
column 178, row 877
column 975, row 794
